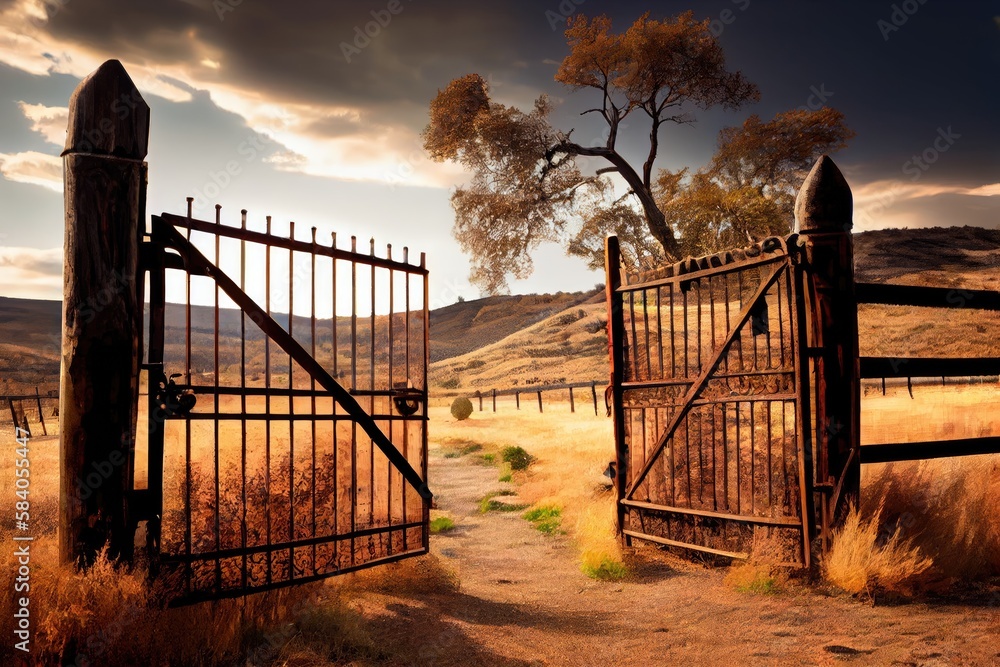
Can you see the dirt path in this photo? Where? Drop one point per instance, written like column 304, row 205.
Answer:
column 523, row 601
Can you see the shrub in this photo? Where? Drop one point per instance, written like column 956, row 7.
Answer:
column 461, row 408
column 450, row 383
column 755, row 578
column 545, row 517
column 603, row 567
column 442, row 524
column 488, row 503
column 516, row 457
column 475, row 363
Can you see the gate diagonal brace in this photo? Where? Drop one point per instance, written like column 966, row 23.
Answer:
column 748, row 309
column 199, row 263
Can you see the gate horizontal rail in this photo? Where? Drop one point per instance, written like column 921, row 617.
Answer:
column 933, row 449
column 929, row 297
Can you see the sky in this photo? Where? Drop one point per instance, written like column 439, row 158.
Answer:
column 320, row 106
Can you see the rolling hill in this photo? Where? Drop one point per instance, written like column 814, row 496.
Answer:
column 505, row 341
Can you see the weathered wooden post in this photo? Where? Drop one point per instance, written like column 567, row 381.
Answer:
column 593, row 391
column 494, row 400
column 616, row 338
column 539, row 401
column 105, row 190
column 572, row 404
column 823, row 219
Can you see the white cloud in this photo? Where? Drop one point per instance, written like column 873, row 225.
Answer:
column 989, row 190
column 880, row 204
column 34, row 168
column 373, row 151
column 31, row 272
column 50, row 122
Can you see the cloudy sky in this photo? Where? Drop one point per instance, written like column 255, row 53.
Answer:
column 323, row 120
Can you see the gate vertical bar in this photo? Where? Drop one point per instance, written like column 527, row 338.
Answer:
column 156, row 417
column 616, row 356
column 104, row 176
column 824, row 218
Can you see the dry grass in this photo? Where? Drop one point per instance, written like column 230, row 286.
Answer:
column 106, row 615
column 922, row 524
column 571, row 450
column 862, row 558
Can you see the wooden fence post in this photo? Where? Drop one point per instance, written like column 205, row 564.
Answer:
column 572, row 405
column 479, row 395
column 593, row 390
column 823, row 219
column 539, row 401
column 41, row 417
column 494, row 400
column 517, row 399
column 105, row 181
column 13, row 413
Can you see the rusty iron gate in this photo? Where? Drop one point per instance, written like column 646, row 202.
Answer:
column 709, row 403
column 286, row 441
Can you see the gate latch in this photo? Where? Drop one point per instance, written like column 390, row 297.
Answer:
column 174, row 400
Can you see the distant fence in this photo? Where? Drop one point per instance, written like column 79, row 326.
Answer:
column 493, row 394
column 30, row 410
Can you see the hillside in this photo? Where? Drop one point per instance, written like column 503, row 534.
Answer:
column 504, row 340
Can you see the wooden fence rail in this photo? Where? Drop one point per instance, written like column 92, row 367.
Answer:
column 22, row 408
column 537, row 391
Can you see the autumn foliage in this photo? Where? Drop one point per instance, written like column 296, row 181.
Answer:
column 526, row 186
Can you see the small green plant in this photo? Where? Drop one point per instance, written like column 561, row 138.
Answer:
column 758, row 579
column 516, row 457
column 604, row 568
column 505, row 473
column 451, row 455
column 461, row 408
column 488, row 503
column 470, row 449
column 489, row 459
column 545, row 517
column 442, row 524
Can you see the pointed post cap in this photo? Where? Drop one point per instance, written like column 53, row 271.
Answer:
column 824, row 202
column 107, row 115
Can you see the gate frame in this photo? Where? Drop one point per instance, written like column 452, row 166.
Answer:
column 105, row 264
column 824, row 319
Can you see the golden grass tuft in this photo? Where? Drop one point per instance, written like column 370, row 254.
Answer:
column 863, row 558
column 756, row 578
